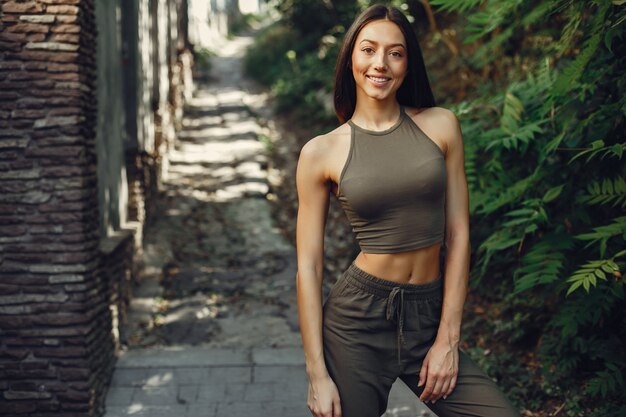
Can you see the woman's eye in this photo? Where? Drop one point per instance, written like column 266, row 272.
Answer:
column 368, row 50
column 396, row 54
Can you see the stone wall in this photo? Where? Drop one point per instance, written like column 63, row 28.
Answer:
column 56, row 347
column 75, row 185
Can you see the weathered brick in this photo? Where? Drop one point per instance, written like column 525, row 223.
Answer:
column 13, row 230
column 8, row 289
column 47, row 406
column 24, row 386
column 32, row 173
column 56, row 269
column 64, row 279
column 20, row 407
column 73, row 374
column 32, row 364
column 74, row 408
column 67, row 18
column 18, row 354
column 28, row 28
column 8, row 95
column 42, row 18
column 35, row 66
column 57, row 121
column 65, row 352
column 11, row 37
column 60, row 1
column 22, row 342
column 12, row 187
column 61, row 67
column 27, row 7
column 29, row 374
column 67, row 76
column 66, row 28
column 26, row 395
column 36, row 37
column 65, row 37
column 27, row 114
column 71, row 85
column 55, row 172
column 63, row 9
column 52, row 46
column 33, row 298
column 74, row 396
column 64, row 111
column 10, row 46
column 76, row 287
column 46, row 56
column 58, row 332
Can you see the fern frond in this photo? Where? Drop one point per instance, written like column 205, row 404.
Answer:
column 511, row 112
column 602, row 234
column 606, row 192
column 606, row 382
column 455, row 5
column 589, row 274
column 598, row 149
column 544, row 262
column 572, row 72
column 509, row 194
column 573, row 16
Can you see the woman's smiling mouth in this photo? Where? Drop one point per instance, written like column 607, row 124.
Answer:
column 378, row 80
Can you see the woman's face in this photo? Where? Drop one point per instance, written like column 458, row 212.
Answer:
column 379, row 60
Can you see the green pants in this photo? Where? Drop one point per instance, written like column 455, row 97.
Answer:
column 376, row 331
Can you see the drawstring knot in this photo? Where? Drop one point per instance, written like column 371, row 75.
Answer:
column 395, row 312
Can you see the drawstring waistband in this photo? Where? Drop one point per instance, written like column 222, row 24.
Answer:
column 395, row 294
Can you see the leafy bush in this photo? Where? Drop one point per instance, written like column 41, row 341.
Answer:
column 266, row 60
column 546, row 177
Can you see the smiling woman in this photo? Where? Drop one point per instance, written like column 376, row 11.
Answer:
column 379, row 61
column 396, row 166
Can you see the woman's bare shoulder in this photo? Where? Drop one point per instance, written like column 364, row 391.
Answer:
column 325, row 144
column 435, row 114
column 439, row 123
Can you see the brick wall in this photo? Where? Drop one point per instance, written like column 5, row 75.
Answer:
column 64, row 285
column 56, row 346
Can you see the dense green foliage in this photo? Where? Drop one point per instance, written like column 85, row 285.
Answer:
column 546, row 175
column 544, row 141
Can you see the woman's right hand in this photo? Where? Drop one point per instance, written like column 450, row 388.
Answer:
column 323, row 398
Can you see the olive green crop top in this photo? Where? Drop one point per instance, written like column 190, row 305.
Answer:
column 392, row 188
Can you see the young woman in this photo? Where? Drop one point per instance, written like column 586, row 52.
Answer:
column 396, row 166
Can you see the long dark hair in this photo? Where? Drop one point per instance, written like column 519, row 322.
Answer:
column 415, row 90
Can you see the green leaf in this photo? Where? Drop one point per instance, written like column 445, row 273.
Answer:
column 552, row 193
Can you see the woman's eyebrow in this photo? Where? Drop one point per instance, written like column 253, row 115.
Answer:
column 376, row 43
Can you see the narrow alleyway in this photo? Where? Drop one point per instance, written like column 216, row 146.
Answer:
column 212, row 328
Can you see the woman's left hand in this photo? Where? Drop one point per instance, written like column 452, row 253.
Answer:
column 439, row 370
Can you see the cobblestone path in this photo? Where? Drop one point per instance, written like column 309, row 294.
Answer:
column 212, row 328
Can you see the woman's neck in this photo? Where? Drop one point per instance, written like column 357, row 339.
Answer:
column 376, row 115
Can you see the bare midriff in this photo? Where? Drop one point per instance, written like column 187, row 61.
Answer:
column 419, row 266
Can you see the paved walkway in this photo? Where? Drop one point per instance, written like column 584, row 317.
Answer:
column 212, row 329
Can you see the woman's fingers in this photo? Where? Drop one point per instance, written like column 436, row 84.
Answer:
column 444, row 388
column 436, row 394
column 452, row 385
column 423, row 372
column 336, row 407
column 430, row 381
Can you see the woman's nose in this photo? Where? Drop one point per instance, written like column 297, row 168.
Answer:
column 380, row 63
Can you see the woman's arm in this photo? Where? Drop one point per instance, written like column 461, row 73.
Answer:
column 313, row 198
column 440, row 367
